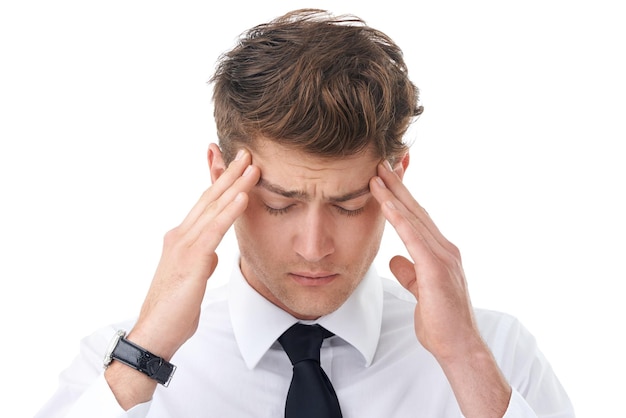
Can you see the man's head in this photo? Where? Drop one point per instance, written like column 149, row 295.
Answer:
column 319, row 102
column 327, row 86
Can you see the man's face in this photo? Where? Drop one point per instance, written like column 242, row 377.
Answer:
column 311, row 229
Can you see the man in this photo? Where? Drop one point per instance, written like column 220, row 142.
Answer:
column 311, row 111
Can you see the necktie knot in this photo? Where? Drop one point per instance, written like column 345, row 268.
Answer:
column 303, row 342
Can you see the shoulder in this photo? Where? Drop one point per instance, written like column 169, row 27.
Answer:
column 489, row 321
column 510, row 341
column 499, row 329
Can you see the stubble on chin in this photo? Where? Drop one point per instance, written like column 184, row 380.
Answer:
column 301, row 302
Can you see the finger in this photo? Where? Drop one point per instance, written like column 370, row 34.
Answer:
column 210, row 228
column 401, row 218
column 404, row 270
column 248, row 179
column 232, row 173
column 214, row 259
column 394, row 183
column 405, row 200
column 195, row 251
column 425, row 249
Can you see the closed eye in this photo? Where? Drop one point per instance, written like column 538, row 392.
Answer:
column 350, row 212
column 277, row 211
column 343, row 211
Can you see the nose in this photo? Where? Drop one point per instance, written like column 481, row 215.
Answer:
column 314, row 236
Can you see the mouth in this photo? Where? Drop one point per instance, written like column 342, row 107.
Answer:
column 313, row 279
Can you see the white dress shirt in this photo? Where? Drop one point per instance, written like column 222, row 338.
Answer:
column 234, row 368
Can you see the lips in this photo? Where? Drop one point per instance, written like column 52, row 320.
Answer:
column 309, row 275
column 313, row 279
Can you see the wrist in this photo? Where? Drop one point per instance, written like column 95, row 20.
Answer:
column 455, row 354
column 478, row 384
column 158, row 343
column 129, row 386
column 138, row 358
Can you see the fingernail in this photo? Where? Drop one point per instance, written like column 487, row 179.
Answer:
column 239, row 155
column 380, row 182
column 388, row 166
column 247, row 171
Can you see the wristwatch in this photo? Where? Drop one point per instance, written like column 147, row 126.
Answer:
column 139, row 359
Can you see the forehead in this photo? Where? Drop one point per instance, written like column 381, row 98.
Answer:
column 298, row 171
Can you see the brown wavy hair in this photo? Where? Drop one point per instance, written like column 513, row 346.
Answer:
column 328, row 86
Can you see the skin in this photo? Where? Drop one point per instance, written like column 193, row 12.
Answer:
column 444, row 319
column 311, row 229
column 310, row 274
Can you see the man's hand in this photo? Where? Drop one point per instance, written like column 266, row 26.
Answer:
column 444, row 319
column 170, row 313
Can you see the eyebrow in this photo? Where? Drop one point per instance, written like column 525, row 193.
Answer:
column 302, row 195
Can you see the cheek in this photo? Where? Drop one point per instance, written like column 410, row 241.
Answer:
column 361, row 233
column 257, row 227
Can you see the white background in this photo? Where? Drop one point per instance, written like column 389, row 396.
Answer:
column 105, row 118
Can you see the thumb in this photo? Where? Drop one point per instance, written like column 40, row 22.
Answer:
column 404, row 270
column 212, row 264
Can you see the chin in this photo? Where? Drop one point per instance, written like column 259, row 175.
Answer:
column 308, row 309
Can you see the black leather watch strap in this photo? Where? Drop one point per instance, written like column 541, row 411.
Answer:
column 140, row 359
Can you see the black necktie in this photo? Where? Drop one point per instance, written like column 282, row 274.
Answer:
column 311, row 395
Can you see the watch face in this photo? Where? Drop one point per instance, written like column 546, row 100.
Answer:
column 116, row 339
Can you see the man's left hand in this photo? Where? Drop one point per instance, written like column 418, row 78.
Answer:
column 444, row 317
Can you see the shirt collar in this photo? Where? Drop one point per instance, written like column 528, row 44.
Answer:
column 257, row 323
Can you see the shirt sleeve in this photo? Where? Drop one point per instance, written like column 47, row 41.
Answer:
column 98, row 402
column 537, row 392
column 83, row 391
column 518, row 407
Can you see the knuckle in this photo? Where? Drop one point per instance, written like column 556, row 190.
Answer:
column 454, row 250
column 172, row 236
column 211, row 207
column 217, row 226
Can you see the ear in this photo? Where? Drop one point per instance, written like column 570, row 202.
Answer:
column 401, row 166
column 216, row 162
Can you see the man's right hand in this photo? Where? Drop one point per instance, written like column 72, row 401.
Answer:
column 170, row 313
